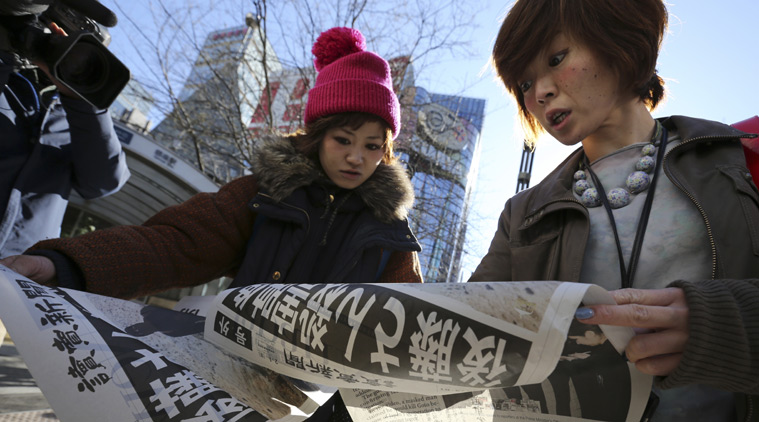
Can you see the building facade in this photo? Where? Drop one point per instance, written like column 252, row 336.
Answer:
column 442, row 154
column 208, row 126
column 133, row 106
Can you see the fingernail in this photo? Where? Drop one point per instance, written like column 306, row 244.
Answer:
column 584, row 313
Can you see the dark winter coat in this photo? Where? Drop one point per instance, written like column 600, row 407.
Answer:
column 315, row 232
column 45, row 152
column 212, row 235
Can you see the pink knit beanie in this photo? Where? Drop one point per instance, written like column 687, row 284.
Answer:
column 351, row 79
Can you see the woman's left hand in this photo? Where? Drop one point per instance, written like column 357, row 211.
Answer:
column 660, row 319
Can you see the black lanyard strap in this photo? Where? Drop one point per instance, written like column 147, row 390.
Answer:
column 628, row 273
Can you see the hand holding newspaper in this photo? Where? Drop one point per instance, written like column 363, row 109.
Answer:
column 397, row 352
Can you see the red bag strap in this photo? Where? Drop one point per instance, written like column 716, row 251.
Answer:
column 750, row 145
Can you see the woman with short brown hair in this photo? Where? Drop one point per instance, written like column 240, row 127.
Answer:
column 663, row 212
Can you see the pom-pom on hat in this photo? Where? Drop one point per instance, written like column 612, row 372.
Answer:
column 351, row 79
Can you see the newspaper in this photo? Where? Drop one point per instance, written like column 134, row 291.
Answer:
column 397, row 352
column 97, row 358
column 3, row 332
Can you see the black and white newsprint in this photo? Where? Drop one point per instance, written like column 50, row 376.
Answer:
column 397, row 353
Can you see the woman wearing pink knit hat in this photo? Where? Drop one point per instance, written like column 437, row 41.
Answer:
column 327, row 204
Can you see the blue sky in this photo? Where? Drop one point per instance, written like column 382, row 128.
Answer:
column 709, row 60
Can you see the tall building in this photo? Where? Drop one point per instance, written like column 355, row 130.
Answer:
column 443, row 156
column 282, row 102
column 208, row 125
column 133, row 106
column 439, row 140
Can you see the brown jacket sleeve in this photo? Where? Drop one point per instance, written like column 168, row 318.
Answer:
column 496, row 264
column 723, row 344
column 402, row 267
column 184, row 245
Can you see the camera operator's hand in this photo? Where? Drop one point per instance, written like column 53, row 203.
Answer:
column 63, row 89
column 36, row 268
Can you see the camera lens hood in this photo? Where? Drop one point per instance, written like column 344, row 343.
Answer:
column 86, row 67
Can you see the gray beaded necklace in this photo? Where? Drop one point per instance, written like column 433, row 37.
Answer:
column 638, row 181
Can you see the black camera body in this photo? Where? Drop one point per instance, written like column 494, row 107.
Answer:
column 80, row 61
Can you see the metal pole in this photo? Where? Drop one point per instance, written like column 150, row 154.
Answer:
column 525, row 168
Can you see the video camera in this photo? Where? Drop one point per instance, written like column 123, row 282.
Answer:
column 80, row 61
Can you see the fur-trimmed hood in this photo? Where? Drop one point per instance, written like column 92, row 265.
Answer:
column 281, row 169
